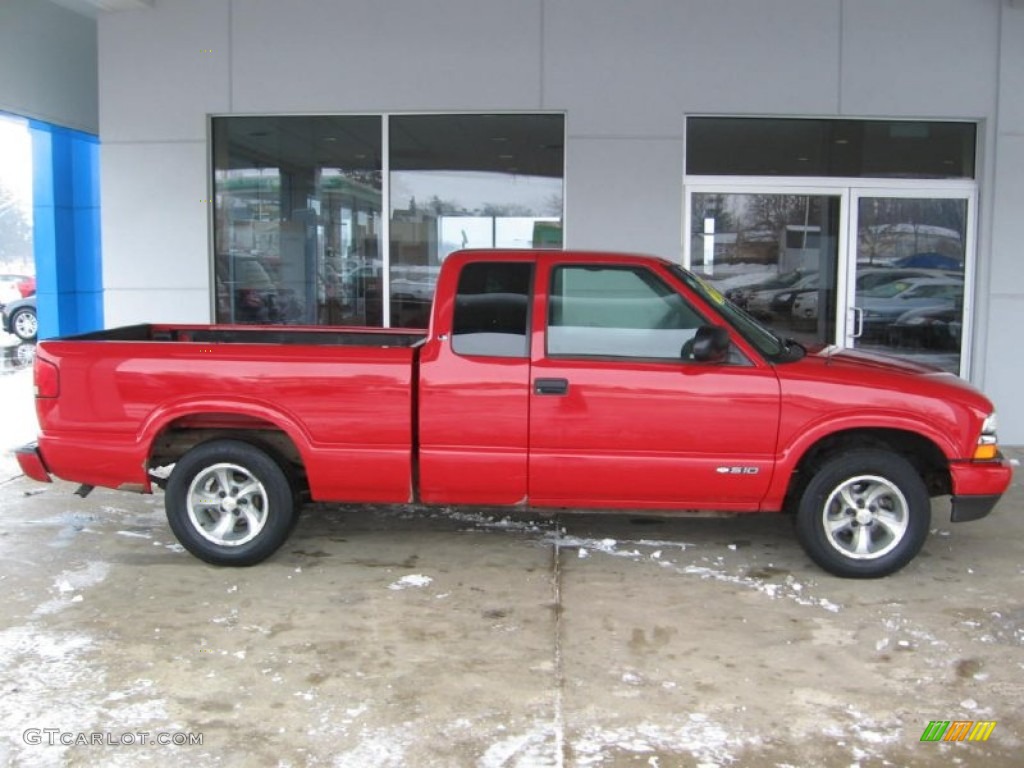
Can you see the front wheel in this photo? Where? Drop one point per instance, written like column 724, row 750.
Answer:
column 864, row 514
column 229, row 503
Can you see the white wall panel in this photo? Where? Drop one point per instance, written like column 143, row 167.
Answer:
column 638, row 68
column 1011, row 73
column 365, row 55
column 128, row 306
column 154, row 218
column 1004, row 373
column 625, row 194
column 1008, row 217
column 919, row 58
column 48, row 64
column 163, row 70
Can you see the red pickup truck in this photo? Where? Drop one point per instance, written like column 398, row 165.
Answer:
column 550, row 379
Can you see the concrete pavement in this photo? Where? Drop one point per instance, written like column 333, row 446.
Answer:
column 405, row 637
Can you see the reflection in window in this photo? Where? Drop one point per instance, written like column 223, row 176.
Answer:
column 467, row 181
column 298, row 220
column 910, row 277
column 617, row 312
column 492, row 309
column 773, row 255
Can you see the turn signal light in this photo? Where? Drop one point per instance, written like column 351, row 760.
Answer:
column 986, row 452
column 47, row 379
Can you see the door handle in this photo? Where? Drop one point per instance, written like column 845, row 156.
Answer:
column 551, row 386
column 858, row 322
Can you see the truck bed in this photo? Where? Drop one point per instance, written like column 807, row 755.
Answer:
column 343, row 398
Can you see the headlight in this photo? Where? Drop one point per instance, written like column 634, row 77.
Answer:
column 988, row 445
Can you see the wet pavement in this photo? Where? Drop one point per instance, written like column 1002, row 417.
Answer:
column 411, row 637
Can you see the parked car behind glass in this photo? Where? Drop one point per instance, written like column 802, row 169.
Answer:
column 19, row 318
column 14, row 287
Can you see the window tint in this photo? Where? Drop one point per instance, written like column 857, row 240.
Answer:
column 749, row 146
column 617, row 312
column 492, row 309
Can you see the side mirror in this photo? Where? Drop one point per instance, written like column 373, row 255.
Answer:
column 710, row 344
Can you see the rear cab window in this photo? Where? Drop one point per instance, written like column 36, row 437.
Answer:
column 492, row 309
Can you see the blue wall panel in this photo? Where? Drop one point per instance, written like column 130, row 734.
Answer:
column 66, row 230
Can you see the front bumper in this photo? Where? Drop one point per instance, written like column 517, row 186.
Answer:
column 967, row 508
column 31, row 463
column 977, row 487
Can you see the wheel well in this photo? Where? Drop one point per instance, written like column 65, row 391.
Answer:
column 924, row 455
column 182, row 435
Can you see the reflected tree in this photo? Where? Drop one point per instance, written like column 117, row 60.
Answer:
column 15, row 231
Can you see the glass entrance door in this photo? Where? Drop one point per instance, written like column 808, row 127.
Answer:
column 776, row 254
column 908, row 281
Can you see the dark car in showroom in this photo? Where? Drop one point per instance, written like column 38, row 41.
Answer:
column 19, row 318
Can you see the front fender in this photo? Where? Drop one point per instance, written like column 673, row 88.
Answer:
column 799, row 441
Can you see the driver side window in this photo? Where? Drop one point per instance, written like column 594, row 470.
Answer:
column 615, row 311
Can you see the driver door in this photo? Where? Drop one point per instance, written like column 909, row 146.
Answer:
column 619, row 419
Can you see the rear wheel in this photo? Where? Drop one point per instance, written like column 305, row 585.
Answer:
column 864, row 514
column 229, row 503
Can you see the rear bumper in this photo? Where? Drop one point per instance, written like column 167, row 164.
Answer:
column 32, row 464
column 977, row 487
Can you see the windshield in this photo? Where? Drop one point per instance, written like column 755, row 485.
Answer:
column 766, row 342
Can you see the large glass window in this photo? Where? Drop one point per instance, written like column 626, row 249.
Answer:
column 774, row 255
column 17, row 261
column 297, row 236
column 909, row 286
column 300, row 235
column 467, row 181
column 742, row 146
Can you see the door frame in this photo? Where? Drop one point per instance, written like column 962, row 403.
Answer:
column 850, row 191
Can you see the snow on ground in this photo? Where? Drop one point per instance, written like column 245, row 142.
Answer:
column 18, row 423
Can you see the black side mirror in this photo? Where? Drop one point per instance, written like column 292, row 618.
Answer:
column 710, row 344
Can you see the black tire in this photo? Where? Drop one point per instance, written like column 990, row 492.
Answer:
column 229, row 503
column 863, row 514
column 24, row 324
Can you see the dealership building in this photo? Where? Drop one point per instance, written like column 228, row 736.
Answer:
column 849, row 171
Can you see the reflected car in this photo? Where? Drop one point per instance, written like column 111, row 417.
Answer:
column 931, row 260
column 19, row 318
column 938, row 328
column 14, row 287
column 884, row 305
column 805, row 306
column 740, row 294
column 773, row 302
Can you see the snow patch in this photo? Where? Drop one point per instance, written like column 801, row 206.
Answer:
column 69, row 582
column 411, row 581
